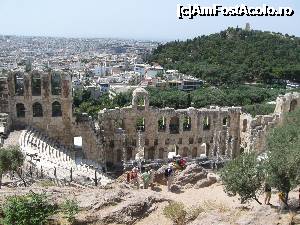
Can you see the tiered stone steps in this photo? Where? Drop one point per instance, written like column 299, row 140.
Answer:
column 46, row 153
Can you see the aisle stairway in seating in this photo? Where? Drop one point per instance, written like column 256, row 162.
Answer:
column 49, row 155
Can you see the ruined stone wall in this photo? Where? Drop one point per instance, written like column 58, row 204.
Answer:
column 254, row 130
column 221, row 138
column 217, row 132
column 20, row 85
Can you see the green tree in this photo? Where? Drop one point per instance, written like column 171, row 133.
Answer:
column 283, row 156
column 243, row 176
column 11, row 159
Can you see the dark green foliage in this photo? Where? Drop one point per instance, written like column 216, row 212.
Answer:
column 70, row 209
column 259, row 109
column 31, row 209
column 85, row 104
column 243, row 176
column 234, row 56
column 253, row 97
column 283, row 156
column 11, row 159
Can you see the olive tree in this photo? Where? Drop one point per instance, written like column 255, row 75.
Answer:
column 11, row 159
column 283, row 155
column 243, row 176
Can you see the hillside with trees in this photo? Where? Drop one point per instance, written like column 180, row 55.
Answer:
column 234, row 56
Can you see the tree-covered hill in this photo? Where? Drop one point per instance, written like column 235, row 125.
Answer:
column 234, row 56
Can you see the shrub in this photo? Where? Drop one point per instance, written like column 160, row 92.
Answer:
column 33, row 209
column 70, row 209
column 179, row 215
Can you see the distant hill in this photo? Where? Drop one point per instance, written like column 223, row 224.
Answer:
column 234, row 56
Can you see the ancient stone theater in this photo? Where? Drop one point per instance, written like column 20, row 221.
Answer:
column 40, row 104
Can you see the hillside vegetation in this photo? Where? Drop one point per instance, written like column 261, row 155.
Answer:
column 234, row 56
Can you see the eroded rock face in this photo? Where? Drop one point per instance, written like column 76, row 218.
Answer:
column 190, row 175
column 159, row 176
column 132, row 210
column 120, row 206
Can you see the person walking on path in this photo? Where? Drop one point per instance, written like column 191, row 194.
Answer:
column 151, row 180
column 169, row 174
column 146, row 179
column 267, row 193
column 135, row 177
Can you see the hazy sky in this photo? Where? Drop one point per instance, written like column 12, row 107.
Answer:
column 138, row 19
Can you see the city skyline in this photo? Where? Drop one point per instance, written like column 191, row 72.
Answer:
column 143, row 20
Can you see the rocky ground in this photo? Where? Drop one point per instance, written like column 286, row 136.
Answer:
column 121, row 203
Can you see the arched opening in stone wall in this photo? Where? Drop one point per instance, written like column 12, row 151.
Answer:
column 119, row 155
column 185, row 152
column 119, row 124
column 199, row 140
column 226, row 121
column 191, row 140
column 207, row 149
column 55, row 84
column 141, row 101
column 176, row 149
column 140, row 124
column 36, row 85
column 37, row 110
column 20, row 108
column 245, row 123
column 161, row 153
column 56, row 109
column 206, row 123
column 187, row 123
column 223, row 151
column 174, row 125
column 194, row 152
column 77, row 143
column 19, row 84
column 151, row 153
column 293, row 105
column 162, row 124
column 129, row 153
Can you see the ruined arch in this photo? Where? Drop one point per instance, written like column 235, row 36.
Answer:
column 151, row 153
column 56, row 109
column 226, row 121
column 140, row 124
column 20, row 109
column 185, row 152
column 174, row 125
column 37, row 109
column 207, row 149
column 293, row 105
column 119, row 155
column 245, row 124
column 187, row 123
column 161, row 124
column 36, row 85
column 206, row 123
column 161, row 153
column 194, row 152
column 19, row 84
column 140, row 98
column 55, row 84
column 129, row 153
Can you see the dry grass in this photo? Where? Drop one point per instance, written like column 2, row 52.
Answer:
column 215, row 206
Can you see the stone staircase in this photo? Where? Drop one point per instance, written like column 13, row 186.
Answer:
column 49, row 155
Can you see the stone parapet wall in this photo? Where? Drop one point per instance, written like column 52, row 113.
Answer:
column 254, row 130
